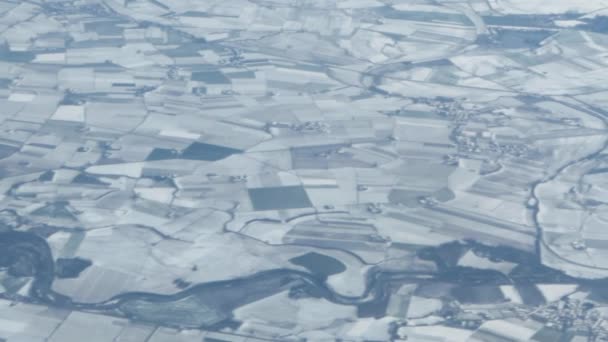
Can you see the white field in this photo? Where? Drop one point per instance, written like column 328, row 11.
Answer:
column 69, row 113
column 543, row 7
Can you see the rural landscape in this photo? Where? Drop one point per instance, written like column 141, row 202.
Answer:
column 303, row 170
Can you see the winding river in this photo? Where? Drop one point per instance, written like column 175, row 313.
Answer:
column 210, row 305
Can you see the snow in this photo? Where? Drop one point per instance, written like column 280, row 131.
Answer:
column 21, row 97
column 511, row 294
column 50, row 58
column 126, row 169
column 553, row 292
column 512, row 330
column 69, row 113
column 177, row 133
column 544, row 7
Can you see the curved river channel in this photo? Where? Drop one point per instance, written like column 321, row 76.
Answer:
column 210, row 305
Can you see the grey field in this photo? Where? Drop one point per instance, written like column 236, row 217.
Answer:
column 303, row 170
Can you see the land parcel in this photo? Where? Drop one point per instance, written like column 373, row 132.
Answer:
column 279, row 198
